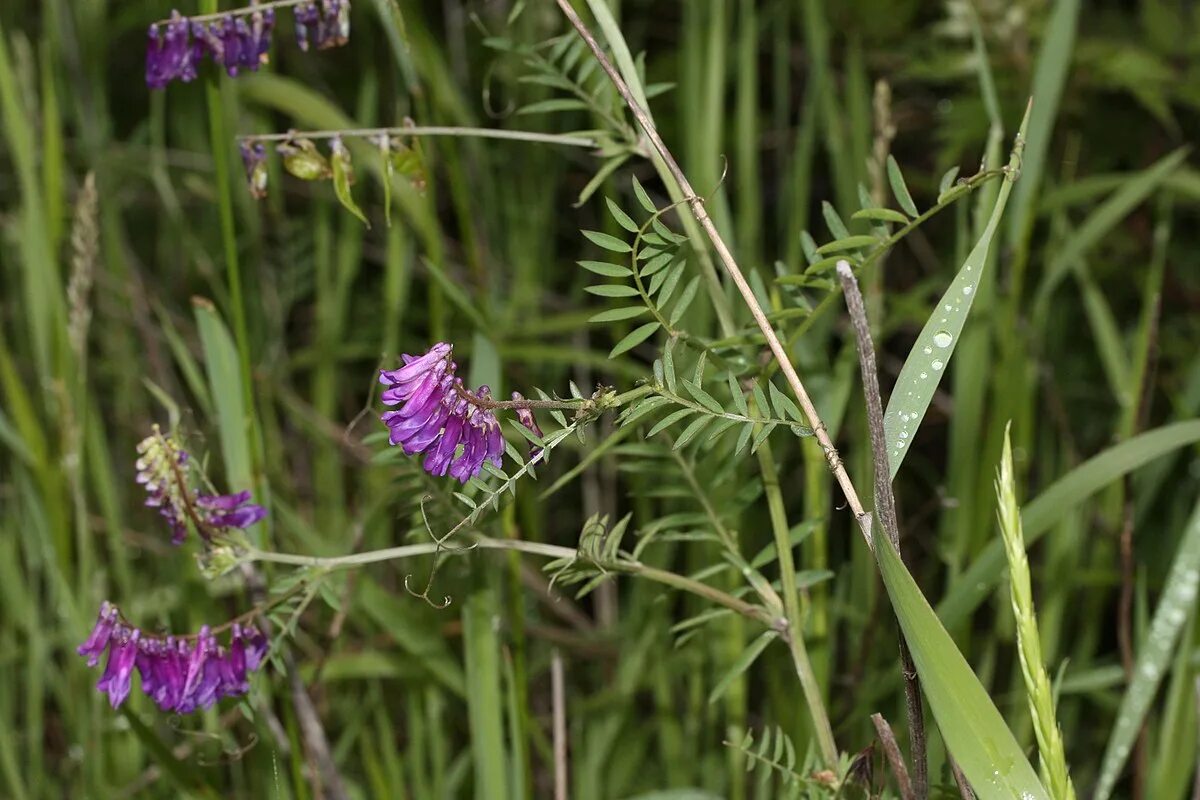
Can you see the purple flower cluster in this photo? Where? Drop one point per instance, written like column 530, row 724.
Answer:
column 437, row 415
column 235, row 42
column 164, row 469
column 324, row 27
column 180, row 674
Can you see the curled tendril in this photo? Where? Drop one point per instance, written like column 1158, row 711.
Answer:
column 229, row 754
column 424, row 593
column 440, row 546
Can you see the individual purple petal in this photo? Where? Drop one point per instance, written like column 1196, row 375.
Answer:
column 424, row 436
column 222, row 502
column 256, row 647
column 224, row 511
column 97, row 641
column 307, row 19
column 204, row 646
column 155, row 78
column 438, row 355
column 122, row 655
column 442, row 451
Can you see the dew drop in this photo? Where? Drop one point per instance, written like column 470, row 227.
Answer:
column 967, row 290
column 943, row 338
column 924, row 375
column 928, row 350
column 937, row 365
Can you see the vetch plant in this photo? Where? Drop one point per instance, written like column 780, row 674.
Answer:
column 693, row 471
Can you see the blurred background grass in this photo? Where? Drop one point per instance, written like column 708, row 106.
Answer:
column 1084, row 334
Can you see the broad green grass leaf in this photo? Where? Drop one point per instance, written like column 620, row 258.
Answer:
column 225, row 387
column 742, row 663
column 1154, row 657
column 1060, row 498
column 900, row 188
column 634, row 338
column 481, row 652
column 973, row 730
column 1049, row 78
column 930, row 354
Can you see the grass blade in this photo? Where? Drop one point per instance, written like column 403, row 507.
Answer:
column 1059, row 499
column 973, row 730
column 1103, row 219
column 225, row 387
column 1178, row 599
column 926, row 362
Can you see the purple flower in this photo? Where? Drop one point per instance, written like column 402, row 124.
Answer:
column 233, row 33
column 97, row 641
column 307, row 21
column 165, row 469
column 229, row 510
column 454, row 427
column 169, row 53
column 180, row 674
column 122, row 654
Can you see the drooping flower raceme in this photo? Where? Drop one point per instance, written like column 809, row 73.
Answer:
column 164, row 468
column 439, row 417
column 180, row 674
column 237, row 40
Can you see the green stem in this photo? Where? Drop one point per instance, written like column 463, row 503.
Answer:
column 425, row 130
column 551, row 551
column 791, row 606
column 233, row 273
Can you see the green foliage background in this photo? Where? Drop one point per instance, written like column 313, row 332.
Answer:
column 1084, row 334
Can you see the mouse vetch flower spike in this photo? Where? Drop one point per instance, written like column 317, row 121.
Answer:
column 166, row 470
column 237, row 40
column 179, row 673
column 439, row 417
